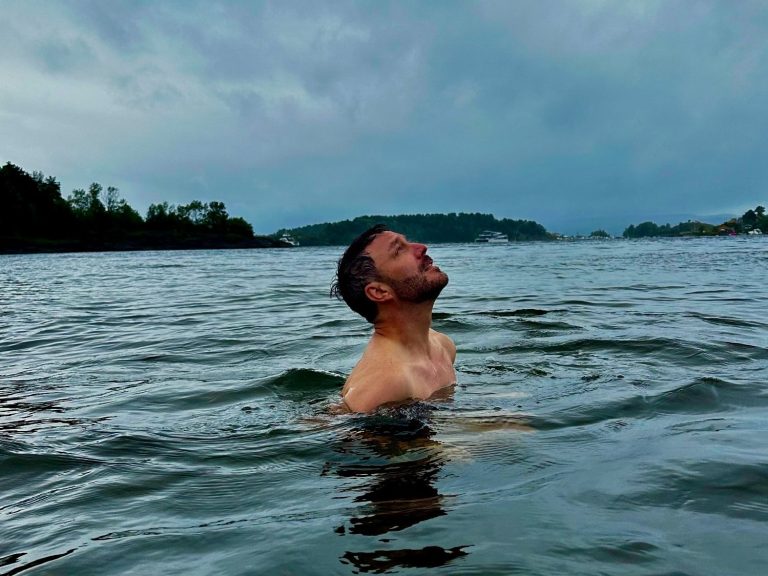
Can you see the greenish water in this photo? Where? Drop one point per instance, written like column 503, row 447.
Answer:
column 167, row 413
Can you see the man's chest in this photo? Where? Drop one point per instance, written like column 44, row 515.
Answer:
column 428, row 377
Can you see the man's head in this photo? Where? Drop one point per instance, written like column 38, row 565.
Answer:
column 382, row 266
column 355, row 270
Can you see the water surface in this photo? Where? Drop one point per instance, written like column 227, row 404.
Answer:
column 168, row 413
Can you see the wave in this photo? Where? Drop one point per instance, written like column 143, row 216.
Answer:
column 701, row 396
column 734, row 489
column 520, row 313
column 727, row 320
column 650, row 347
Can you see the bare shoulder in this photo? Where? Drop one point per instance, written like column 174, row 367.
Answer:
column 446, row 342
column 373, row 383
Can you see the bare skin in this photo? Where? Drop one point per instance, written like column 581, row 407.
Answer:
column 405, row 359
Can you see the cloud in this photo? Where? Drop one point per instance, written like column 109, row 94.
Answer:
column 294, row 112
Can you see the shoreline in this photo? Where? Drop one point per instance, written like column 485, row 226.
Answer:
column 19, row 246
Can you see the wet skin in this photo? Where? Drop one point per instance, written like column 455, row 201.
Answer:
column 405, row 359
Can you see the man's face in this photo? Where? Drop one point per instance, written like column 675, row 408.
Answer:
column 406, row 267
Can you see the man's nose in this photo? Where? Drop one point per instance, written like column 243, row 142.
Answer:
column 420, row 249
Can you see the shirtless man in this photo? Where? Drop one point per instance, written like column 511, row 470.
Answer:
column 393, row 284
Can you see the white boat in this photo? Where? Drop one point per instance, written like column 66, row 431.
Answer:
column 491, row 237
column 755, row 232
column 288, row 239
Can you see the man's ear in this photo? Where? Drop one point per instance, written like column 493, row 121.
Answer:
column 378, row 292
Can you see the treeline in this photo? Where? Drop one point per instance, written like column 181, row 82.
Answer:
column 750, row 221
column 422, row 227
column 35, row 217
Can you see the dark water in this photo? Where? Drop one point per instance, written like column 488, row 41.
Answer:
column 167, row 413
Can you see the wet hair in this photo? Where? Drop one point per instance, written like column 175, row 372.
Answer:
column 355, row 271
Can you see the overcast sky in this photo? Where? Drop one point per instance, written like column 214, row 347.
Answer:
column 577, row 114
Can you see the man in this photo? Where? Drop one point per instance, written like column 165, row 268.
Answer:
column 393, row 284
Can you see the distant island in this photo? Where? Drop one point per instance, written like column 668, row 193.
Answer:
column 430, row 228
column 35, row 218
column 751, row 222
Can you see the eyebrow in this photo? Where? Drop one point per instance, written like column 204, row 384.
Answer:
column 394, row 242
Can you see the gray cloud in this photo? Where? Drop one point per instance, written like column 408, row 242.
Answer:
column 295, row 112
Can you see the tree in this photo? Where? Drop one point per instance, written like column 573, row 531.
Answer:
column 196, row 211
column 31, row 205
column 112, row 199
column 216, row 217
column 239, row 227
column 749, row 218
column 79, row 202
column 120, row 217
column 159, row 216
column 157, row 211
column 89, row 211
column 96, row 207
column 642, row 230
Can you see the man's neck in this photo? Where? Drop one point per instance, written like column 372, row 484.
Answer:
column 408, row 325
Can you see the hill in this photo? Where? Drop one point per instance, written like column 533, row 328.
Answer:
column 428, row 228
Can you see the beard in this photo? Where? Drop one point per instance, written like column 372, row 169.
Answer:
column 419, row 287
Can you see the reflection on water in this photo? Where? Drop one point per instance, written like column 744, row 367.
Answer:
column 381, row 561
column 392, row 464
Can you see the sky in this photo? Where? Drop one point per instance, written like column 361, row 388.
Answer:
column 579, row 114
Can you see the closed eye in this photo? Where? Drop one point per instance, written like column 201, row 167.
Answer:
column 396, row 246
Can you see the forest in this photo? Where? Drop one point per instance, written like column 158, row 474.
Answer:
column 430, row 228
column 34, row 217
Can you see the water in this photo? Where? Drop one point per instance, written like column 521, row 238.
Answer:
column 168, row 413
